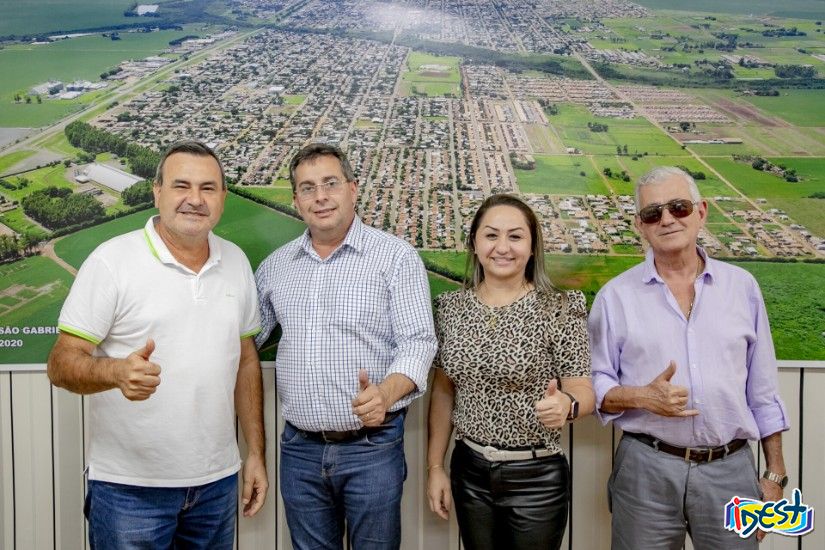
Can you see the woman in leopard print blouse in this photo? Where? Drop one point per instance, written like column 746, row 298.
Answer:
column 513, row 367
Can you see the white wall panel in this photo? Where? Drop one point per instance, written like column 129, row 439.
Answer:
column 69, row 490
column 49, row 515
column 6, row 462
column 813, row 456
column 33, row 496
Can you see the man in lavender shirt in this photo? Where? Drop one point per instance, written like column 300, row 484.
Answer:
column 684, row 364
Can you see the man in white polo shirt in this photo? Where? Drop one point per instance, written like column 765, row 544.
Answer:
column 158, row 327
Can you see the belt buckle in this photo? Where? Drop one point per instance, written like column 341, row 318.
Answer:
column 324, row 437
column 491, row 453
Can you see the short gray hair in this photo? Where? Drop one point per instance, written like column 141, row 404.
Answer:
column 659, row 175
column 189, row 147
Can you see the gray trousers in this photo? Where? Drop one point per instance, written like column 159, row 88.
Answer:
column 657, row 498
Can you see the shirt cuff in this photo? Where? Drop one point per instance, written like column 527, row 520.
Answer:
column 771, row 418
column 415, row 371
column 602, row 385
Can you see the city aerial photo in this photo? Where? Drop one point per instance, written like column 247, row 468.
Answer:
column 439, row 104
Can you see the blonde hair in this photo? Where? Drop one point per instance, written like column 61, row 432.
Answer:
column 534, row 271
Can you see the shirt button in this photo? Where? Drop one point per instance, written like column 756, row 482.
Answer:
column 690, row 331
column 696, row 401
column 693, row 365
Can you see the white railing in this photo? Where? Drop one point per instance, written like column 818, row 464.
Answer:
column 43, row 434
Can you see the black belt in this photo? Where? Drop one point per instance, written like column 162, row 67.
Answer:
column 327, row 436
column 691, row 454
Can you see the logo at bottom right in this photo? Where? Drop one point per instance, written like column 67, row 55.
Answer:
column 789, row 518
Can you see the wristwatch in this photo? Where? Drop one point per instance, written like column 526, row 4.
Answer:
column 782, row 481
column 574, row 407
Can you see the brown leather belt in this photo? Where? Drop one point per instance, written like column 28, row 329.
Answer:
column 328, row 436
column 690, row 454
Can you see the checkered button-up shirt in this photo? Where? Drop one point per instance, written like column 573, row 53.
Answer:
column 367, row 305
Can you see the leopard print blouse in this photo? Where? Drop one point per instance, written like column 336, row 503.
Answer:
column 501, row 368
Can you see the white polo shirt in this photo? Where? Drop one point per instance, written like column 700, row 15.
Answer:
column 130, row 289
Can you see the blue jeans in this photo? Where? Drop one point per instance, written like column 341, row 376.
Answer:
column 358, row 481
column 148, row 518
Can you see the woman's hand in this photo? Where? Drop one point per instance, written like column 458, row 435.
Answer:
column 553, row 408
column 438, row 491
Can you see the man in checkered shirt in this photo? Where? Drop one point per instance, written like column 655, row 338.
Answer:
column 357, row 342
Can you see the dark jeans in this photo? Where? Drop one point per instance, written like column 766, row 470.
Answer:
column 510, row 505
column 358, row 481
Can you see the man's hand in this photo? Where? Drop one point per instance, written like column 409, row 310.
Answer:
column 255, row 485
column 137, row 377
column 371, row 403
column 665, row 399
column 553, row 408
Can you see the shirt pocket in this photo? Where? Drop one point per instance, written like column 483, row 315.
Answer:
column 362, row 307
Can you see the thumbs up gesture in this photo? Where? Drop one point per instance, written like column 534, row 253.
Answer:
column 137, row 377
column 553, row 407
column 371, row 403
column 663, row 398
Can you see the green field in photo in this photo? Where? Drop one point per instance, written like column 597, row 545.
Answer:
column 18, row 222
column 758, row 184
column 50, row 176
column 27, row 17
column 418, row 79
column 281, row 195
column 50, row 284
column 416, row 59
column 86, row 57
column 10, row 159
column 254, row 227
column 799, row 107
column 795, row 298
column 637, row 134
column 715, row 215
column 440, row 284
column 618, row 165
column 805, row 9
column 722, row 228
column 561, row 175
column 807, row 212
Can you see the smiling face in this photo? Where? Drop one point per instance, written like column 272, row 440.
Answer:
column 503, row 244
column 670, row 235
column 191, row 199
column 328, row 213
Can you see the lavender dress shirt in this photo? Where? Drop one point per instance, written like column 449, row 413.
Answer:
column 724, row 354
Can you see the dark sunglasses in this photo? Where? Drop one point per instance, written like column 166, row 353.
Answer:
column 678, row 208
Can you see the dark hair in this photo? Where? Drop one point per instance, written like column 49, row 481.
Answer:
column 534, row 270
column 315, row 150
column 188, row 147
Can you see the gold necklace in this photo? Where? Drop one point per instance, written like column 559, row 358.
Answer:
column 699, row 269
column 502, row 310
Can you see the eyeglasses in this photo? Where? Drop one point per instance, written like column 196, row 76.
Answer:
column 308, row 189
column 678, row 208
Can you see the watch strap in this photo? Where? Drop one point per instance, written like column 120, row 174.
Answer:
column 574, row 407
column 781, row 480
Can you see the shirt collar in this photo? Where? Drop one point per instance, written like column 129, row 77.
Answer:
column 354, row 239
column 649, row 273
column 161, row 251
